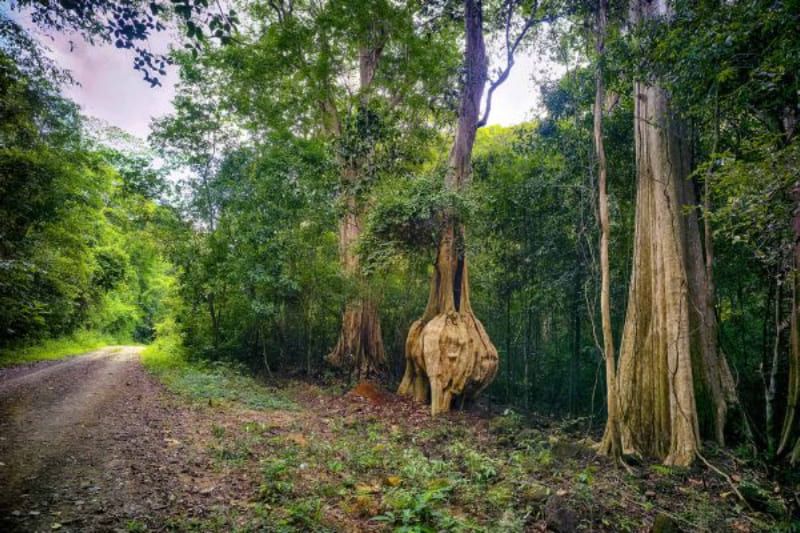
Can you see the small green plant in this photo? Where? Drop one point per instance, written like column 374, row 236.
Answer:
column 480, row 467
column 418, row 511
column 305, row 514
column 365, row 459
column 420, row 470
column 134, row 526
column 278, row 475
column 544, row 457
column 335, row 466
column 662, row 470
column 500, row 495
column 586, row 476
column 236, row 454
column 275, row 491
column 510, row 423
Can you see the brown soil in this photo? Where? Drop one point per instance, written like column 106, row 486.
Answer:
column 370, row 392
column 95, row 443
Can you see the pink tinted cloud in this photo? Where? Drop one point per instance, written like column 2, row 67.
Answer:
column 110, row 89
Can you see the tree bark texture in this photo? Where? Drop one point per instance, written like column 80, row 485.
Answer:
column 657, row 401
column 789, row 445
column 669, row 361
column 448, row 351
column 360, row 345
column 611, row 444
column 668, row 356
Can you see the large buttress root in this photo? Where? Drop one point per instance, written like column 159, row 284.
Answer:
column 360, row 345
column 448, row 352
column 671, row 373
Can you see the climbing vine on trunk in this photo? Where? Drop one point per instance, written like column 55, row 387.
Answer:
column 448, row 350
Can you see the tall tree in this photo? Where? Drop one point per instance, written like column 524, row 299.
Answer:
column 448, row 350
column 360, row 344
column 360, row 78
column 381, row 37
column 611, row 444
column 668, row 355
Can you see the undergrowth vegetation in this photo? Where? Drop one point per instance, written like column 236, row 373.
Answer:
column 279, row 216
column 336, row 463
column 214, row 382
column 76, row 343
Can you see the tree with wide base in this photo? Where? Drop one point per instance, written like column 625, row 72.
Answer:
column 671, row 375
column 360, row 345
column 448, row 352
column 361, row 74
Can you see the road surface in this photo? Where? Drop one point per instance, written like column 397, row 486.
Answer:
column 85, row 444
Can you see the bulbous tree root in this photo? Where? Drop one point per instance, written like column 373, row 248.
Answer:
column 448, row 351
column 451, row 355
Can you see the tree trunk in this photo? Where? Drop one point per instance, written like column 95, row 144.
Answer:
column 508, row 347
column 214, row 320
column 448, row 350
column 657, row 401
column 668, row 354
column 790, row 433
column 611, row 444
column 526, row 382
column 360, row 345
column 574, row 363
column 717, row 384
column 771, row 385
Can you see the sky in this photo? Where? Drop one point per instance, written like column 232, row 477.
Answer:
column 108, row 88
column 111, row 90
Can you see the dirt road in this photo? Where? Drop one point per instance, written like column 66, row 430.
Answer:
column 90, row 443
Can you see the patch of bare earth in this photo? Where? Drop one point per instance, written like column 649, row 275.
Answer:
column 94, row 443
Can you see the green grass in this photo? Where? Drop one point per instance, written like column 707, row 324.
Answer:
column 69, row 345
column 211, row 382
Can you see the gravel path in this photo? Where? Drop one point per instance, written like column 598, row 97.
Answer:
column 90, row 443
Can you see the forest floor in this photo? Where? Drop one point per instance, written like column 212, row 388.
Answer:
column 97, row 443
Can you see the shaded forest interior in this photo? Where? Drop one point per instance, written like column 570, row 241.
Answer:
column 326, row 201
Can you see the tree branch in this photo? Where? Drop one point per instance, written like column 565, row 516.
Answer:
column 511, row 49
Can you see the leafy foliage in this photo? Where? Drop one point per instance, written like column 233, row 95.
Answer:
column 77, row 236
column 409, row 216
column 230, row 253
column 76, row 343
